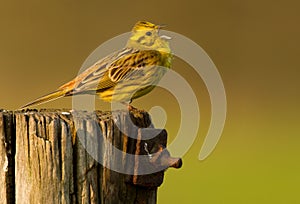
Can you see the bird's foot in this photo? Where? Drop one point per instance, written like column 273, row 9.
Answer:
column 133, row 110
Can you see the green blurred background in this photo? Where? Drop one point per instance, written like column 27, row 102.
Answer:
column 255, row 45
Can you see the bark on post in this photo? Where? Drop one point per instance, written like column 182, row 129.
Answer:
column 57, row 157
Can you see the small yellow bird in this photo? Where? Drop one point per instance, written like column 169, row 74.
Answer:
column 123, row 75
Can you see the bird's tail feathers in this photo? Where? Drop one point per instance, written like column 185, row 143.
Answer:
column 49, row 97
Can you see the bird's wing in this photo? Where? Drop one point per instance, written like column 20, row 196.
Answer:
column 94, row 76
column 107, row 72
column 124, row 67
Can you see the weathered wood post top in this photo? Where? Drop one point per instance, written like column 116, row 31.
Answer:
column 61, row 156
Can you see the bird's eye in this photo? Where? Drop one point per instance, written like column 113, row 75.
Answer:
column 148, row 33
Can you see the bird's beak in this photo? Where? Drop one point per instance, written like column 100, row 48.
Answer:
column 163, row 36
column 161, row 26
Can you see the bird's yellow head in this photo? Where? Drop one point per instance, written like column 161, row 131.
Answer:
column 145, row 35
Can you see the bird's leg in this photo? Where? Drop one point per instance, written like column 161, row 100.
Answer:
column 129, row 107
column 132, row 110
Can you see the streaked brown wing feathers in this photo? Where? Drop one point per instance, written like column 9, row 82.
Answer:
column 107, row 73
column 96, row 77
column 133, row 62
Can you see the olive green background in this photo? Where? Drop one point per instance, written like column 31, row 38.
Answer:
column 254, row 44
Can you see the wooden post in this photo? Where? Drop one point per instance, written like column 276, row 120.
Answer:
column 72, row 157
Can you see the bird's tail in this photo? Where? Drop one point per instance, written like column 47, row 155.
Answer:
column 49, row 97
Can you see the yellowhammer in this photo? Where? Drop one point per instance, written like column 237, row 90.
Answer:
column 126, row 74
